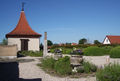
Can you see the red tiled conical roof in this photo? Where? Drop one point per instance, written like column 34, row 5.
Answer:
column 23, row 29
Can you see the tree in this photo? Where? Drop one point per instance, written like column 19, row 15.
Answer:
column 4, row 42
column 68, row 43
column 49, row 43
column 83, row 41
column 97, row 42
column 41, row 46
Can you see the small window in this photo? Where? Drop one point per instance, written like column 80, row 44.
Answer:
column 107, row 40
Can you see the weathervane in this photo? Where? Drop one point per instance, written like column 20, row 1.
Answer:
column 23, row 6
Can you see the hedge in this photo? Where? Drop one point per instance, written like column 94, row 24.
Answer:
column 115, row 52
column 95, row 51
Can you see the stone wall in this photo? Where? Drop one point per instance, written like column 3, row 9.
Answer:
column 99, row 61
column 9, row 51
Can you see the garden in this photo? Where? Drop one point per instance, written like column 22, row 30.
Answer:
column 62, row 66
column 89, row 50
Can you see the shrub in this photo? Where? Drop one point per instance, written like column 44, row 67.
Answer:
column 62, row 66
column 88, row 67
column 115, row 52
column 94, row 51
column 80, row 70
column 109, row 73
column 48, row 63
column 31, row 53
column 66, row 50
column 107, row 48
column 52, row 50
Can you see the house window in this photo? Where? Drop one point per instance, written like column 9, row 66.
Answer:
column 107, row 40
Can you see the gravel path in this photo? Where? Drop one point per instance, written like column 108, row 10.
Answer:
column 29, row 70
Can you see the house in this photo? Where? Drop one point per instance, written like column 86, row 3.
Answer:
column 74, row 44
column 23, row 36
column 110, row 39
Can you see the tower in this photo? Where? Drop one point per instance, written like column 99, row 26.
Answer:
column 23, row 36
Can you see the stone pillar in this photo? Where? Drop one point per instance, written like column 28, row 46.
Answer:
column 45, row 45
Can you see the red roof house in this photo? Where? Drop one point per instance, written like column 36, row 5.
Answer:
column 111, row 39
column 23, row 35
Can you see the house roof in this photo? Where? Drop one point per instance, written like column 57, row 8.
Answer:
column 23, row 29
column 73, row 43
column 113, row 39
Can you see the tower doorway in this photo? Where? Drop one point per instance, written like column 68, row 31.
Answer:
column 24, row 44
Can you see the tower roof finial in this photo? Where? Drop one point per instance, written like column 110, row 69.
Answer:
column 23, row 6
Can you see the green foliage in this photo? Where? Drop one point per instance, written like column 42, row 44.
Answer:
column 49, row 42
column 41, row 46
column 109, row 73
column 66, row 50
column 4, row 42
column 48, row 63
column 68, row 43
column 88, row 67
column 82, row 46
column 31, row 53
column 52, row 50
column 82, row 41
column 96, row 42
column 115, row 52
column 94, row 51
column 80, row 70
column 62, row 66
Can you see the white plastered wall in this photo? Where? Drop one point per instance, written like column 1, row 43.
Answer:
column 33, row 43
column 106, row 41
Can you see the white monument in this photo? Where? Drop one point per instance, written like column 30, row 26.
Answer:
column 45, row 45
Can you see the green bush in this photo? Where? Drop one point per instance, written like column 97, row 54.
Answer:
column 52, row 50
column 115, row 52
column 80, row 70
column 94, row 51
column 88, row 67
column 48, row 63
column 83, row 45
column 31, row 53
column 66, row 50
column 62, row 66
column 109, row 73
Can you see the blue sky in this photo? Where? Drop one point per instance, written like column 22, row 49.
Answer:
column 64, row 20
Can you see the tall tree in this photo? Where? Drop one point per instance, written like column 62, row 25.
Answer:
column 41, row 46
column 97, row 42
column 83, row 41
column 4, row 42
column 49, row 43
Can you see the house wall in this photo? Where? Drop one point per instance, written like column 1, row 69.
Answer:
column 106, row 41
column 33, row 43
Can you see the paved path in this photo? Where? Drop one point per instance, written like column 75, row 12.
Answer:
column 29, row 70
